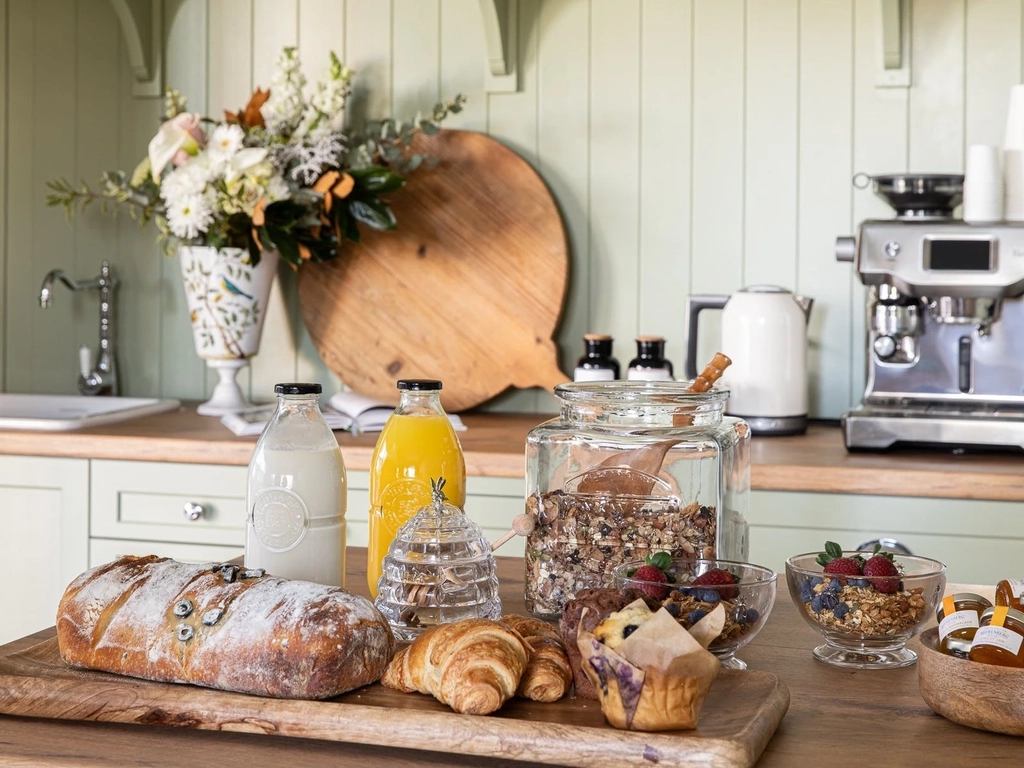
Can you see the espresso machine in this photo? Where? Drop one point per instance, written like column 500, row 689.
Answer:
column 945, row 322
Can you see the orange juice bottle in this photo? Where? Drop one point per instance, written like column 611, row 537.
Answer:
column 417, row 444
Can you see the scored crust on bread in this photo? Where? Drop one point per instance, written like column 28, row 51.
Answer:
column 222, row 626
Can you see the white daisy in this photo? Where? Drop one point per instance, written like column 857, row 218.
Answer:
column 225, row 141
column 190, row 216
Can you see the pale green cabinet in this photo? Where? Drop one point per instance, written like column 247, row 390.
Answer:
column 980, row 542
column 44, row 517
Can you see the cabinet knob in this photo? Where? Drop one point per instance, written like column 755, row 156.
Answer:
column 194, row 511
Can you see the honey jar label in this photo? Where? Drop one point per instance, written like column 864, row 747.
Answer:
column 999, row 637
column 956, row 621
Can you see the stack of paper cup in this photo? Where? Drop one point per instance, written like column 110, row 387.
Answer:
column 1013, row 157
column 983, row 184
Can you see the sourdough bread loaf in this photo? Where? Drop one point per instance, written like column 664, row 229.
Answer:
column 222, row 626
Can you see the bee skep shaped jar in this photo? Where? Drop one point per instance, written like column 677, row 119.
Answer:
column 627, row 469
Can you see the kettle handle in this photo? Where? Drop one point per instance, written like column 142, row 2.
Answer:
column 694, row 304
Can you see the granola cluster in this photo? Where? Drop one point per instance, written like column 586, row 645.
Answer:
column 688, row 605
column 579, row 538
column 856, row 606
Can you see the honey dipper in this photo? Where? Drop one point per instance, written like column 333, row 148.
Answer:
column 712, row 372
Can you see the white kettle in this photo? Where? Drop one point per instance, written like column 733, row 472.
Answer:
column 764, row 332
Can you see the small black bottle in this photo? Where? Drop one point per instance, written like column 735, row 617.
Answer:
column 650, row 363
column 597, row 363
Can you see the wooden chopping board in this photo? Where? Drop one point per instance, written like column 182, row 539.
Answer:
column 739, row 717
column 468, row 289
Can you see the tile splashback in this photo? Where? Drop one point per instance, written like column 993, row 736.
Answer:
column 692, row 145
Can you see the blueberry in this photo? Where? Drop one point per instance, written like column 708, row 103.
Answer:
column 858, row 582
column 696, row 615
column 673, row 609
column 828, row 600
column 834, row 587
column 752, row 616
column 816, row 581
column 709, row 596
column 840, row 610
column 686, row 591
column 806, row 591
column 816, row 605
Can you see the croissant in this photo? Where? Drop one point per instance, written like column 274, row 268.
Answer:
column 548, row 675
column 473, row 666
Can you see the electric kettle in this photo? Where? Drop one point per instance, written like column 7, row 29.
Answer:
column 764, row 332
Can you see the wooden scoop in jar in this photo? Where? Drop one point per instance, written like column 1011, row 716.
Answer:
column 633, row 472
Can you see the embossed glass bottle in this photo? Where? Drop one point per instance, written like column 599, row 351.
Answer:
column 416, row 445
column 296, row 494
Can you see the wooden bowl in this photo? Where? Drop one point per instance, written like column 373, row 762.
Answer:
column 983, row 696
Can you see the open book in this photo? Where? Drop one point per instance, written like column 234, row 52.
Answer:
column 346, row 412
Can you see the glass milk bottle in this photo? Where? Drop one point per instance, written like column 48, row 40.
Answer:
column 296, row 494
column 416, row 445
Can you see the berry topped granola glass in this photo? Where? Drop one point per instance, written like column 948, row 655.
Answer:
column 866, row 609
column 628, row 469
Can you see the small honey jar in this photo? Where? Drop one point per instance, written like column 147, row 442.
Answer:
column 959, row 616
column 1009, row 592
column 1000, row 638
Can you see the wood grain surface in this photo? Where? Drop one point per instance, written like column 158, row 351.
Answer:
column 836, row 717
column 982, row 696
column 495, row 446
column 468, row 289
column 739, row 717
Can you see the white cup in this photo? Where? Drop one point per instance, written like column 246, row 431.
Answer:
column 1013, row 177
column 983, row 184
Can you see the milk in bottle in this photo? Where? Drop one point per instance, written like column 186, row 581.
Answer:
column 296, row 495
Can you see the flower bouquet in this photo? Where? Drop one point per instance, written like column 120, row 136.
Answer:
column 282, row 177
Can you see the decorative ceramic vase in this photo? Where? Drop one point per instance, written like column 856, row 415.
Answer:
column 227, row 303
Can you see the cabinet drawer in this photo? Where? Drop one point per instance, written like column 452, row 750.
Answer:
column 104, row 550
column 147, row 501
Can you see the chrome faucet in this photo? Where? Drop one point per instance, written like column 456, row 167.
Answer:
column 100, row 379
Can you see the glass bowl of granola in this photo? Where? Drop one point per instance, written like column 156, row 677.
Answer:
column 866, row 605
column 690, row 588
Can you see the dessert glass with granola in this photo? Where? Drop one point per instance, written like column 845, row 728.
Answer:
column 628, row 469
column 690, row 589
column 866, row 605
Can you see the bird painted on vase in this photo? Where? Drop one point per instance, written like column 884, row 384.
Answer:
column 233, row 289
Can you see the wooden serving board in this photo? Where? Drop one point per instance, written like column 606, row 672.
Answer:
column 468, row 289
column 739, row 717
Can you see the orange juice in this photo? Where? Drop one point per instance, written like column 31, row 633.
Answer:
column 412, row 449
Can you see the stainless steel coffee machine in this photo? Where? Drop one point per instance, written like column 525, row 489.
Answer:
column 945, row 322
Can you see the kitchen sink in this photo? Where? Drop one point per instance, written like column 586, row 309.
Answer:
column 63, row 413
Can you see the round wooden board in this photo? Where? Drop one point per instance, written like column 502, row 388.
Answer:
column 983, row 696
column 468, row 289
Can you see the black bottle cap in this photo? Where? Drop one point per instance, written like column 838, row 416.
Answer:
column 304, row 388
column 419, row 385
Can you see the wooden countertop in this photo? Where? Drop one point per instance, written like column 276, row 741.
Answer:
column 836, row 718
column 494, row 447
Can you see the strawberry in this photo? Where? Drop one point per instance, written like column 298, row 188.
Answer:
column 882, row 572
column 721, row 580
column 843, row 566
column 652, row 580
column 835, row 563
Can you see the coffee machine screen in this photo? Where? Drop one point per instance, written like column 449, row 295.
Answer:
column 974, row 255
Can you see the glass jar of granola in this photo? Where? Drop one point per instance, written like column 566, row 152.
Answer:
column 628, row 469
